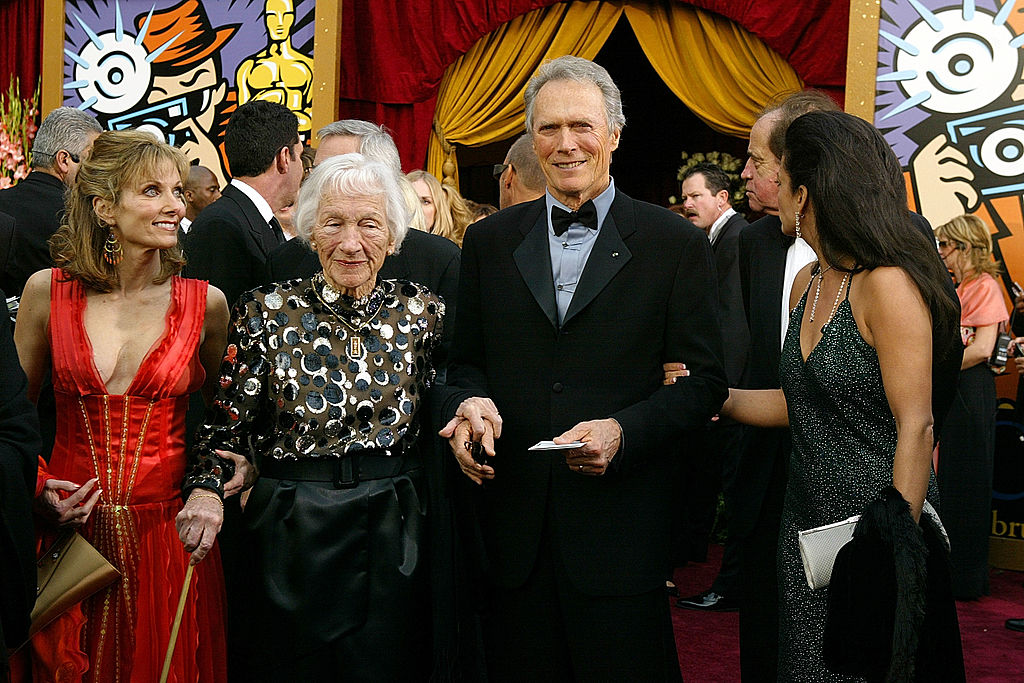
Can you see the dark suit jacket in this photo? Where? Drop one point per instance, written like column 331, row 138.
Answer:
column 6, row 248
column 735, row 337
column 19, row 445
column 647, row 295
column 229, row 243
column 37, row 205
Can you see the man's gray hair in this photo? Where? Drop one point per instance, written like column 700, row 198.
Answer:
column 524, row 160
column 351, row 175
column 569, row 68
column 64, row 128
column 374, row 141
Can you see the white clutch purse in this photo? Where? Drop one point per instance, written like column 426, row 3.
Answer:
column 820, row 545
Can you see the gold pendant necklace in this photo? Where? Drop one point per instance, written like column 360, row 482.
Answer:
column 354, row 347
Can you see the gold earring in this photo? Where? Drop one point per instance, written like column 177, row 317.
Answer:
column 312, row 244
column 112, row 250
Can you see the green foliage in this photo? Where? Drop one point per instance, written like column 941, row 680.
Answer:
column 17, row 130
column 728, row 163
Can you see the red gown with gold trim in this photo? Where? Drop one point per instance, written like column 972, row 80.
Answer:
column 135, row 444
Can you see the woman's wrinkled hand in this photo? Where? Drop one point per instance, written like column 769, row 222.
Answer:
column 245, row 473
column 674, row 371
column 199, row 522
column 74, row 510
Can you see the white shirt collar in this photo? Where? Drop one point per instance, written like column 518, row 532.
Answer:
column 261, row 204
column 716, row 227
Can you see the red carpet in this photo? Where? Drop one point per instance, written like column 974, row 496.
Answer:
column 709, row 647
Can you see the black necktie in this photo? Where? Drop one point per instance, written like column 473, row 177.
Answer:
column 275, row 227
column 562, row 219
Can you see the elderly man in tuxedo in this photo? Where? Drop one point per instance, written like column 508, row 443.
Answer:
column 568, row 306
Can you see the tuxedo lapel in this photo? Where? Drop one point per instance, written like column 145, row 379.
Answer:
column 608, row 256
column 533, row 259
column 258, row 228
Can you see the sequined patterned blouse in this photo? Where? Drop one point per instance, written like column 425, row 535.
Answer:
column 310, row 373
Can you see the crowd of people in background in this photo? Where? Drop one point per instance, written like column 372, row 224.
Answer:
column 374, row 430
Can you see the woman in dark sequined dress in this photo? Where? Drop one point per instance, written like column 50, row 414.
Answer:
column 856, row 365
column 323, row 381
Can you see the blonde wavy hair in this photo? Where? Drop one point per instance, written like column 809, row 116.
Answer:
column 451, row 215
column 118, row 160
column 971, row 230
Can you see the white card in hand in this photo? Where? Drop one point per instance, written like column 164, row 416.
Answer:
column 552, row 446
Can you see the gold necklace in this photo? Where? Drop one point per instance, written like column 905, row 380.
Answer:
column 354, row 348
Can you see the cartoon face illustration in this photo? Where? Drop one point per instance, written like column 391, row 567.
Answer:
column 166, row 65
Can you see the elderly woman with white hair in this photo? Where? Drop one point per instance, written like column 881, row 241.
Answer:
column 322, row 385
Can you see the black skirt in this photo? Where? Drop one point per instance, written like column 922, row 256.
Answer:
column 340, row 577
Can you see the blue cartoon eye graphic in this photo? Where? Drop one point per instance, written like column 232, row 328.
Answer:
column 956, row 60
column 994, row 143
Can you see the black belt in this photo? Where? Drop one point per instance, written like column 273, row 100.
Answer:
column 344, row 470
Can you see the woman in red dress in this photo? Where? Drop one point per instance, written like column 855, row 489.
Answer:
column 127, row 342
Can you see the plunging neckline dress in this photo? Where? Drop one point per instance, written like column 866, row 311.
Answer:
column 844, row 442
column 135, row 444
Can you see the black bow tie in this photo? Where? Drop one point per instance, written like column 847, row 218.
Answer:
column 562, row 219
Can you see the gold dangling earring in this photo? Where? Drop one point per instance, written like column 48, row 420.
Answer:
column 798, row 233
column 112, row 251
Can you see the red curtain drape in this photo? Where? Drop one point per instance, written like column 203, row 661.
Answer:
column 394, row 53
column 21, row 27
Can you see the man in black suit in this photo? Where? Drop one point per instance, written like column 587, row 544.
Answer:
column 568, row 306
column 19, row 444
column 37, row 203
column 705, row 197
column 229, row 241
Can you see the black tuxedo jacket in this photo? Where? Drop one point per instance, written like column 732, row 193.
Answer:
column 735, row 337
column 19, row 444
column 647, row 295
column 229, row 243
column 761, row 251
column 37, row 206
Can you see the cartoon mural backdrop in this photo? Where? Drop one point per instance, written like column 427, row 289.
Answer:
column 950, row 101
column 179, row 69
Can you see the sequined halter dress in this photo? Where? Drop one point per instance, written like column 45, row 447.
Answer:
column 844, row 439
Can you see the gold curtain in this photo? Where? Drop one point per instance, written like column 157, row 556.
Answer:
column 481, row 95
column 721, row 72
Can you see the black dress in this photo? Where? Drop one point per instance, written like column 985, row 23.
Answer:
column 327, row 389
column 844, row 440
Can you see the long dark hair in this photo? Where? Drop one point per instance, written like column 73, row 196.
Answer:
column 856, row 188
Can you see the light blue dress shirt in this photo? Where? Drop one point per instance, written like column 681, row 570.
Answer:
column 570, row 251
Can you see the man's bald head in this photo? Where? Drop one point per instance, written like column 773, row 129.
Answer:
column 201, row 190
column 522, row 180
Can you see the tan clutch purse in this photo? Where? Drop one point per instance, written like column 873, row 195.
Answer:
column 68, row 572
